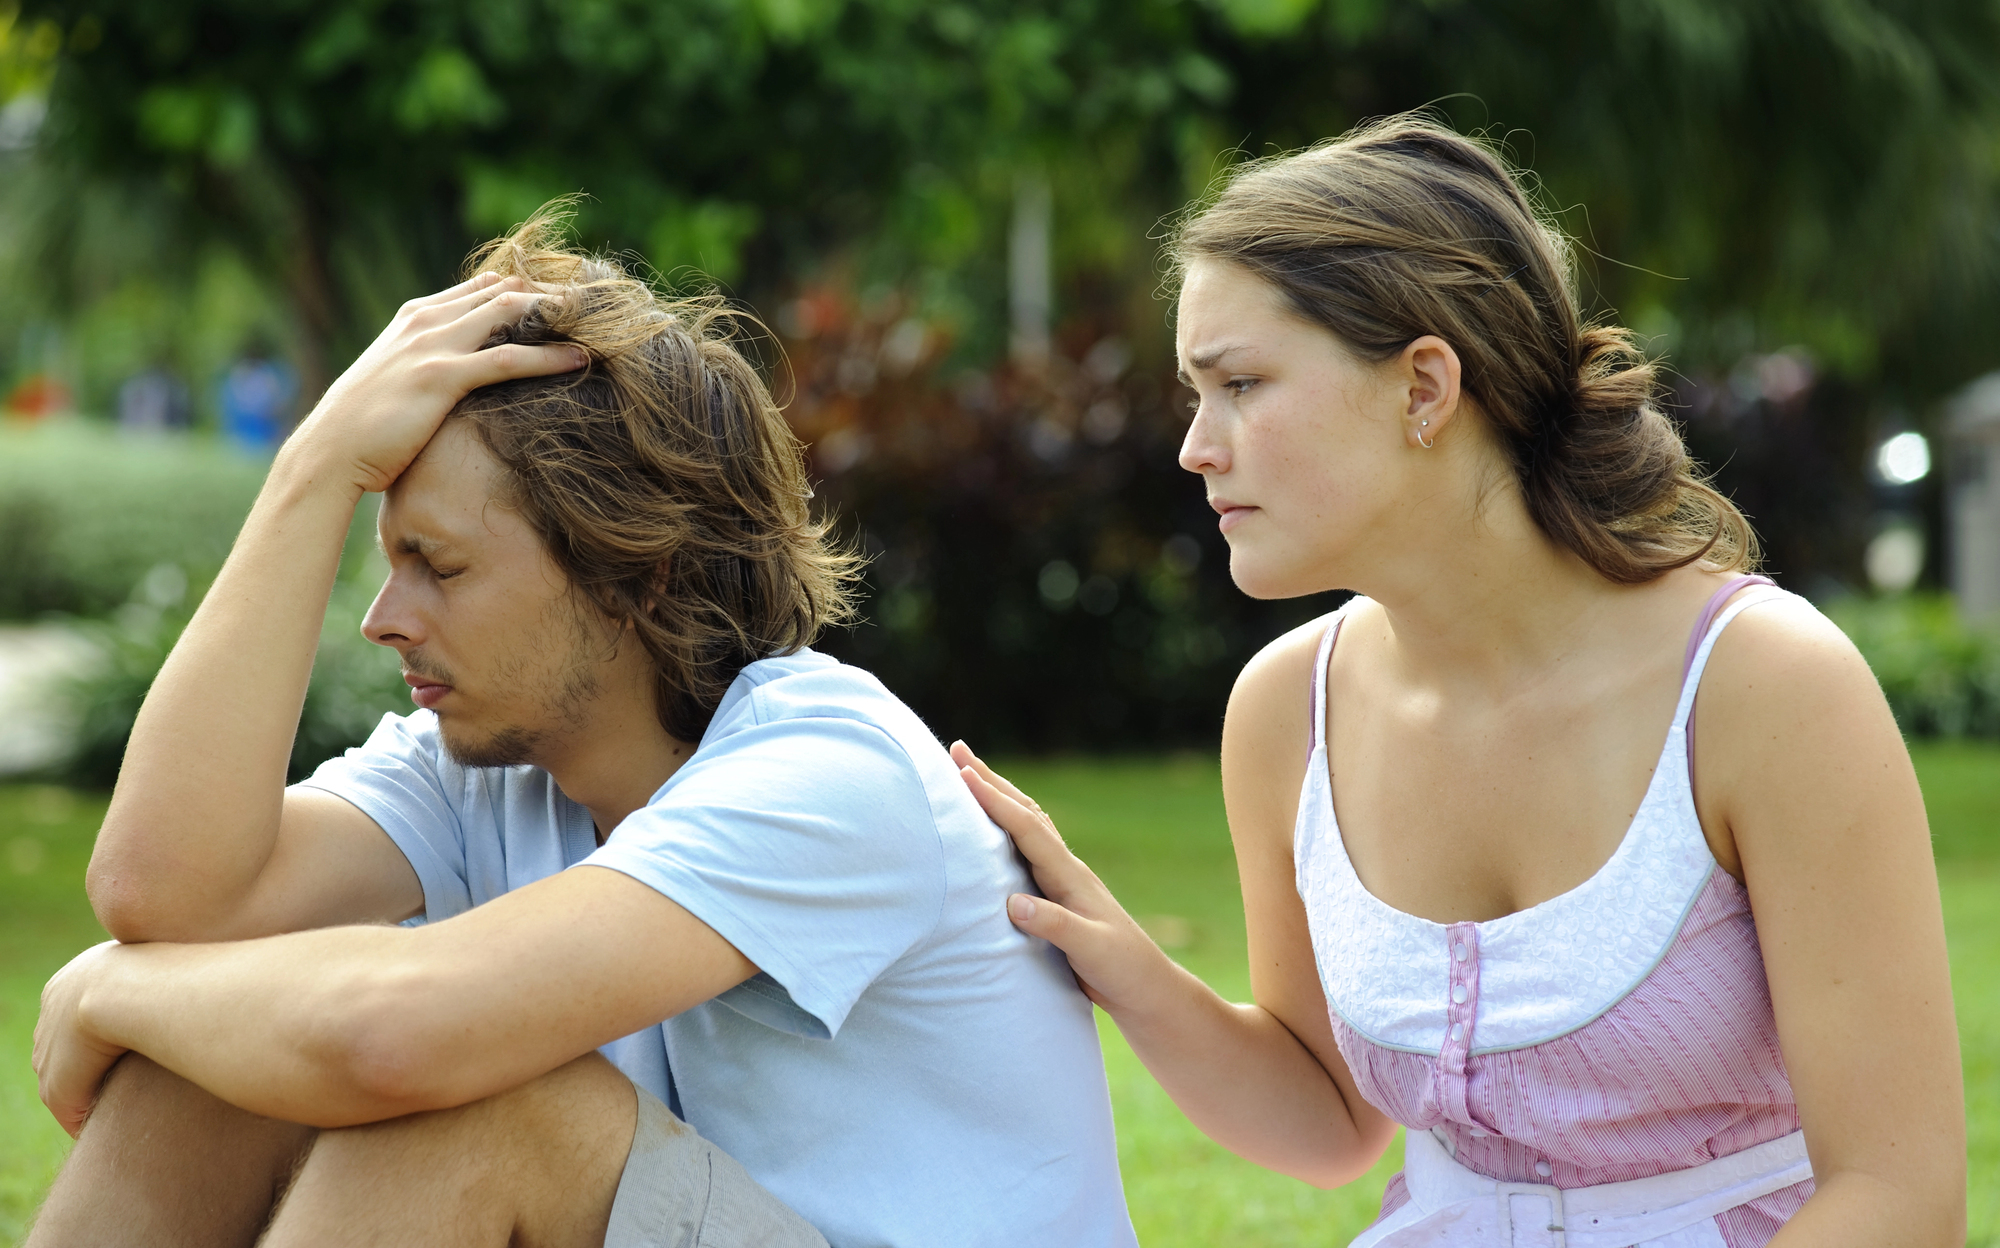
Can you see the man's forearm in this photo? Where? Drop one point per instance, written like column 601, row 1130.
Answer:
column 286, row 1027
column 356, row 1024
column 196, row 810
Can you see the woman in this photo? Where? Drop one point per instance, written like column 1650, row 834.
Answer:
column 1625, row 983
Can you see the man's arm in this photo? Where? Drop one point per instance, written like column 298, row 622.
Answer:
column 358, row 1024
column 201, row 841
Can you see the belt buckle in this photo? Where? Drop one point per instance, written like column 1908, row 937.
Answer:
column 1548, row 1234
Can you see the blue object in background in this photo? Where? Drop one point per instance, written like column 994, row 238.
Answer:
column 257, row 398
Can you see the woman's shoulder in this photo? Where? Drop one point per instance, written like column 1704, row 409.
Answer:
column 1789, row 714
column 1279, row 676
column 1778, row 643
column 1266, row 732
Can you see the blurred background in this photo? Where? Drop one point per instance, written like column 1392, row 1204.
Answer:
column 949, row 214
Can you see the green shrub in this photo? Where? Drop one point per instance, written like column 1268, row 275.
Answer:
column 353, row 680
column 86, row 513
column 1941, row 672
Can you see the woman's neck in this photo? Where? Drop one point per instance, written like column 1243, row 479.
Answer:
column 1485, row 598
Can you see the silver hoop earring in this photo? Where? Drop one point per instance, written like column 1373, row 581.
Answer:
column 1420, row 436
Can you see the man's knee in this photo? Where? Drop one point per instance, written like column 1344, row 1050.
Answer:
column 585, row 1102
column 163, row 1162
column 149, row 1106
column 543, row 1158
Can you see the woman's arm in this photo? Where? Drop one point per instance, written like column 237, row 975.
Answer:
column 1800, row 760
column 1263, row 1080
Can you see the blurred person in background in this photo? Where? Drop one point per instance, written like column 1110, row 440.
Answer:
column 1622, row 982
column 153, row 401
column 632, row 795
column 256, row 399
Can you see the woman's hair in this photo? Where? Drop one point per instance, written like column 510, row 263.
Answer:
column 661, row 477
column 1404, row 228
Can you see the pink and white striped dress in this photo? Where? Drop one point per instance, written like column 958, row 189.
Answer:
column 1616, row 1032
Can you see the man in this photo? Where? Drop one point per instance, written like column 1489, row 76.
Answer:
column 631, row 795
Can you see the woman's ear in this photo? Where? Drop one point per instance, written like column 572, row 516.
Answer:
column 1427, row 373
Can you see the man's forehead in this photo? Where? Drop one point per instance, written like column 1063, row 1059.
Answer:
column 443, row 498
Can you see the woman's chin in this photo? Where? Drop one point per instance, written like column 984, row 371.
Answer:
column 1266, row 581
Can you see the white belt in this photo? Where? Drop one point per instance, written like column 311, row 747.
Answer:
column 1451, row 1205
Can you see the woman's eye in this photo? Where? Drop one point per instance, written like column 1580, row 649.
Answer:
column 445, row 574
column 1239, row 386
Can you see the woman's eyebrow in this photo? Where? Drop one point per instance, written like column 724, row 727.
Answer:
column 1202, row 361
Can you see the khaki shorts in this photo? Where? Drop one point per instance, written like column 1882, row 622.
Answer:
column 680, row 1191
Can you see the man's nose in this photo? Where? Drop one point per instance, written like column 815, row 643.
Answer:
column 390, row 621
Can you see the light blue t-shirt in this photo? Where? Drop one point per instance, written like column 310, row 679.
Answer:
column 908, row 1069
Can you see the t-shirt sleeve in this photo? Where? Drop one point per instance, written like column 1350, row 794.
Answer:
column 398, row 778
column 807, row 843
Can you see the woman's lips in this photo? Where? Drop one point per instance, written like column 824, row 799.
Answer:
column 1232, row 514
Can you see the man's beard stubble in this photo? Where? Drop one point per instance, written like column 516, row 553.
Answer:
column 562, row 708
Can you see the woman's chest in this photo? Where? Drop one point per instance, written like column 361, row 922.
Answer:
column 1459, row 813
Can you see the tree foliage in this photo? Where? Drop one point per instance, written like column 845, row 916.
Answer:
column 1743, row 176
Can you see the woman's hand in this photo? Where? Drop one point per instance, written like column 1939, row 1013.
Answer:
column 383, row 410
column 1116, row 963
column 69, row 1062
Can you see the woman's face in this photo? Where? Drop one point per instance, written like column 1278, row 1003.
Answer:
column 1302, row 444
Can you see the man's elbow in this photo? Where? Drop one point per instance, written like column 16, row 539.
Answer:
column 126, row 909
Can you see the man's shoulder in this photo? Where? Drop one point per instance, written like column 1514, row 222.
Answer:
column 823, row 732
column 808, row 685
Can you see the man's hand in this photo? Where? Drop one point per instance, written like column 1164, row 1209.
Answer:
column 385, row 407
column 70, row 1062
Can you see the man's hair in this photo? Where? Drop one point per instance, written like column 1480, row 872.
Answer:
column 661, row 477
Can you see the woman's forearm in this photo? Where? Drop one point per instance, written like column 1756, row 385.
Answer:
column 1849, row 1209
column 1241, row 1076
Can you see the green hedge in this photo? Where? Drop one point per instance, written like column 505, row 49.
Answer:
column 354, row 682
column 1941, row 672
column 120, row 534
column 86, row 513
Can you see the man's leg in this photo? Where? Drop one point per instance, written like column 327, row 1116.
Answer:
column 537, row 1166
column 163, row 1164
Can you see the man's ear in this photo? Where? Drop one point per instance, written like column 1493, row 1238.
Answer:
column 1427, row 375
column 654, row 592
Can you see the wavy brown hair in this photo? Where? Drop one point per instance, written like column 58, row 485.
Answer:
column 662, row 477
column 1403, row 228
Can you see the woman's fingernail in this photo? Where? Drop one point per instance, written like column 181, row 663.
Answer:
column 1021, row 907
column 577, row 354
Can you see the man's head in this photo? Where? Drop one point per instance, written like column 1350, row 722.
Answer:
column 645, row 521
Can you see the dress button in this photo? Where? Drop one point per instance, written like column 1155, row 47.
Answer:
column 1461, row 953
column 1458, row 993
column 1457, row 1032
column 1544, row 1169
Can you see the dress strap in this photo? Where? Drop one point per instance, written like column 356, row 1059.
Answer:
column 1723, row 606
column 1318, row 699
column 1716, row 601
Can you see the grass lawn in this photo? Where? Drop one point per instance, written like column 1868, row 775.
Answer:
column 1154, row 829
